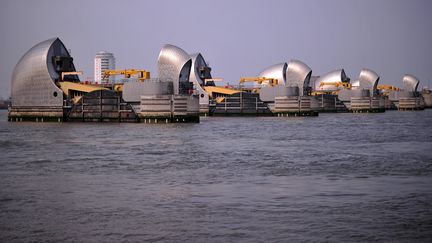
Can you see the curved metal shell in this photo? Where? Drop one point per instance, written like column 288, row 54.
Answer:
column 33, row 79
column 277, row 71
column 368, row 79
column 199, row 72
column 298, row 74
column 410, row 83
column 174, row 65
column 330, row 77
column 355, row 84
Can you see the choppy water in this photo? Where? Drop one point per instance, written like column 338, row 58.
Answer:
column 336, row 177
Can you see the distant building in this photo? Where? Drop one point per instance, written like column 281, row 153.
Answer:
column 4, row 104
column 103, row 61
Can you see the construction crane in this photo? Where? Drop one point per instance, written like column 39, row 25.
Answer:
column 337, row 84
column 142, row 74
column 385, row 89
column 259, row 80
column 212, row 80
column 388, row 87
column 63, row 74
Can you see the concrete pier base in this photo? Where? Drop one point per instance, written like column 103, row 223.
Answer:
column 169, row 109
column 36, row 114
column 287, row 106
column 367, row 104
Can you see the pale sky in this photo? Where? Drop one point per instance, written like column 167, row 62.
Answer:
column 238, row 38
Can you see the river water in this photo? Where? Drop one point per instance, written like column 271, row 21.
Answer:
column 332, row 178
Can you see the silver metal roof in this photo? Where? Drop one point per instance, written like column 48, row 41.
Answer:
column 277, row 71
column 174, row 65
column 298, row 74
column 330, row 77
column 410, row 83
column 355, row 84
column 34, row 75
column 198, row 63
column 368, row 79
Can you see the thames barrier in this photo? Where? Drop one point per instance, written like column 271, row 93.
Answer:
column 46, row 87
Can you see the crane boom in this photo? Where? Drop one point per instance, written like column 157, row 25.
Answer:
column 388, row 87
column 63, row 74
column 142, row 74
column 212, row 80
column 259, row 80
column 337, row 84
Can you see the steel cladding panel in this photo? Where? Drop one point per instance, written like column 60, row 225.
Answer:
column 345, row 95
column 174, row 66
column 410, row 83
column 197, row 63
column 368, row 79
column 269, row 93
column 330, row 77
column 355, row 84
column 277, row 71
column 360, row 93
column 298, row 74
column 406, row 94
column 193, row 104
column 33, row 77
column 132, row 91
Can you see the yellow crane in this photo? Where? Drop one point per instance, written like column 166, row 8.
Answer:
column 63, row 74
column 344, row 85
column 387, row 87
column 141, row 74
column 337, row 84
column 212, row 80
column 259, row 80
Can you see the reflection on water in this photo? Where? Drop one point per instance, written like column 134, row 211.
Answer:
column 336, row 177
